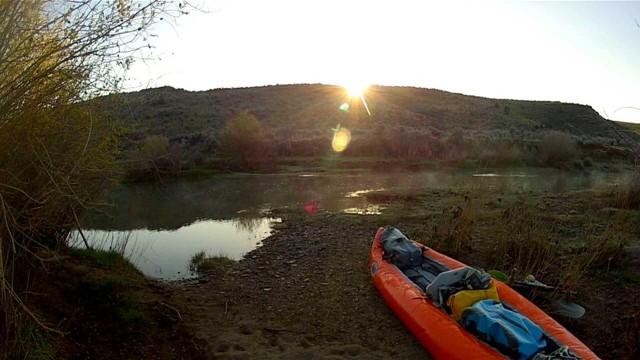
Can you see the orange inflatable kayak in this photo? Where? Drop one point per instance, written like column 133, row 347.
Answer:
column 437, row 331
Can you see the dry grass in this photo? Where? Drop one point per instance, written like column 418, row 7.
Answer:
column 601, row 251
column 627, row 194
column 529, row 243
column 525, row 245
column 453, row 232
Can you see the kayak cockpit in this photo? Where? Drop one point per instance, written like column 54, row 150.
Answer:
column 410, row 259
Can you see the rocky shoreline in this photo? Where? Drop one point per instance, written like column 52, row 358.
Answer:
column 305, row 293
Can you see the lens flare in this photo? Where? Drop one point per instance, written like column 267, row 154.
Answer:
column 311, row 207
column 341, row 139
column 356, row 89
column 344, row 107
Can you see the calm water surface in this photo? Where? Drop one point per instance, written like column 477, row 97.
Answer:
column 159, row 227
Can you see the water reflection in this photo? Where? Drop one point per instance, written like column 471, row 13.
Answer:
column 367, row 210
column 166, row 253
column 359, row 193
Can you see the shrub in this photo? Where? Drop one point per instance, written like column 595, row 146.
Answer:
column 498, row 153
column 556, row 149
column 244, row 139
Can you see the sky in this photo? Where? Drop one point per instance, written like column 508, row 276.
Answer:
column 579, row 52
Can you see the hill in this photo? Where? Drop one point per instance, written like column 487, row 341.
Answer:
column 630, row 126
column 404, row 121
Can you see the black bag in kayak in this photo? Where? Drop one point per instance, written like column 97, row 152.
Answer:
column 399, row 250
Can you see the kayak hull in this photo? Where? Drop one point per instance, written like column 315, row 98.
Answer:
column 440, row 335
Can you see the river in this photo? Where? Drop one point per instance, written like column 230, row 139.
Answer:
column 159, row 227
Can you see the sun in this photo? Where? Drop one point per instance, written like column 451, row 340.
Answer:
column 356, row 89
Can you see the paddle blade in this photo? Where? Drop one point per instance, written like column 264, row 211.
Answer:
column 568, row 309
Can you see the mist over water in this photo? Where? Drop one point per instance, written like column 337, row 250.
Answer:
column 159, row 227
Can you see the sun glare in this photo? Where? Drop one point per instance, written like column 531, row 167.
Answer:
column 356, row 89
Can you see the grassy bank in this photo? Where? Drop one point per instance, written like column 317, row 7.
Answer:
column 104, row 308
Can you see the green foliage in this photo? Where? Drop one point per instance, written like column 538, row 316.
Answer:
column 631, row 126
column 103, row 258
column 110, row 293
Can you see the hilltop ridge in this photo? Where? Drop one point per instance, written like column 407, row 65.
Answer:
column 402, row 123
column 169, row 111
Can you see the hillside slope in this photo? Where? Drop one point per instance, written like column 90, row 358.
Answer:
column 402, row 123
column 172, row 112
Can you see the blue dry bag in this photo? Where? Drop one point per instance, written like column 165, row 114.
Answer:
column 508, row 331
